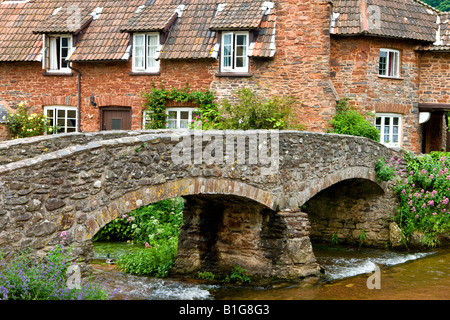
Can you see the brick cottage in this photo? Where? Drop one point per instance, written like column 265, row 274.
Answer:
column 85, row 63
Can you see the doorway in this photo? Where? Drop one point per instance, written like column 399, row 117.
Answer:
column 115, row 118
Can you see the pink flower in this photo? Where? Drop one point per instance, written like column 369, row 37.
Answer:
column 431, row 176
column 423, row 171
column 124, row 216
column 63, row 234
column 417, row 216
column 431, row 203
column 434, row 213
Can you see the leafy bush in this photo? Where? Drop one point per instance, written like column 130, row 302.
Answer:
column 156, row 260
column 22, row 277
column 384, row 172
column 22, row 124
column 424, row 196
column 349, row 121
column 151, row 224
column 253, row 111
column 157, row 227
column 238, row 275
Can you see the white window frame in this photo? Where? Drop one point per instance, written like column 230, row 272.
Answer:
column 382, row 140
column 178, row 119
column 396, row 64
column 232, row 68
column 66, row 118
column 146, row 57
column 55, row 59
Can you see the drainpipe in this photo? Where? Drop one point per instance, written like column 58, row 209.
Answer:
column 79, row 97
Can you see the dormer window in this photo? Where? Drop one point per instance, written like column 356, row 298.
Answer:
column 145, row 51
column 57, row 49
column 234, row 53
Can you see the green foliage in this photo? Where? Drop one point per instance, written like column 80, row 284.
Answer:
column 23, row 277
column 349, row 121
column 156, row 260
column 384, row 172
column 424, row 197
column 209, row 276
column 238, row 275
column 22, row 124
column 442, row 5
column 362, row 237
column 334, row 238
column 157, row 227
column 255, row 112
column 151, row 224
column 156, row 99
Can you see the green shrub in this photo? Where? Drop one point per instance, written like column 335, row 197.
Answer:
column 384, row 172
column 252, row 111
column 209, row 276
column 238, row 275
column 424, row 197
column 349, row 121
column 156, row 260
column 22, row 124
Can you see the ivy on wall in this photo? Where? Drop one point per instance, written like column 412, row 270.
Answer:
column 156, row 99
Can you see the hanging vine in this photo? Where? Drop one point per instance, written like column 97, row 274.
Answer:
column 156, row 99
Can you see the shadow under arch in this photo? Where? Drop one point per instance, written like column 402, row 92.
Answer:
column 220, row 209
column 147, row 195
column 349, row 209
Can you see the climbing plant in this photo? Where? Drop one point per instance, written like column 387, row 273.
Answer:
column 155, row 102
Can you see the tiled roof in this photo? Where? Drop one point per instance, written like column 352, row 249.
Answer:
column 443, row 34
column 246, row 15
column 408, row 19
column 105, row 37
column 151, row 18
column 63, row 20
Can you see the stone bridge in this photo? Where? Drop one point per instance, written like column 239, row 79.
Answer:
column 235, row 213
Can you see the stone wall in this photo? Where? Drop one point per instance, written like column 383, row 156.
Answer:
column 81, row 188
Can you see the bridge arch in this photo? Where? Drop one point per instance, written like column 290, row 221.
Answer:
column 77, row 183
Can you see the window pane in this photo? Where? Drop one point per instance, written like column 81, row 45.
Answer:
column 71, row 114
column 184, row 115
column 116, row 124
column 383, row 61
column 171, row 124
column 227, row 39
column 139, row 40
column 241, row 40
column 240, row 62
column 387, row 121
column 395, row 121
column 64, row 42
column 172, row 115
column 184, row 124
column 61, row 113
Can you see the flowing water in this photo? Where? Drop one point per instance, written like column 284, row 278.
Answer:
column 403, row 276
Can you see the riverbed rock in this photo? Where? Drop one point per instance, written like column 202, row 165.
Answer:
column 395, row 235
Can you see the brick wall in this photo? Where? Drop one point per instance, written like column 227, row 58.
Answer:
column 435, row 77
column 300, row 68
column 354, row 74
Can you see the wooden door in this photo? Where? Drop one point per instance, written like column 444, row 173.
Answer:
column 116, row 118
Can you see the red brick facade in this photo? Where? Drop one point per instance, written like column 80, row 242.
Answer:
column 310, row 64
column 354, row 73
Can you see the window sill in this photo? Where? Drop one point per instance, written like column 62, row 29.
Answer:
column 143, row 73
column 391, row 78
column 234, row 74
column 57, row 73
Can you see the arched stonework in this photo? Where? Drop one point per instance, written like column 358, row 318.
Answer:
column 77, row 183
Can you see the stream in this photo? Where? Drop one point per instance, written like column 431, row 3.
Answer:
column 403, row 276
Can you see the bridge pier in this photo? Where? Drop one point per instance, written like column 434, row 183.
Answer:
column 220, row 232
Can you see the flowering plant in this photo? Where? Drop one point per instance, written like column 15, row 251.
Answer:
column 22, row 124
column 424, row 194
